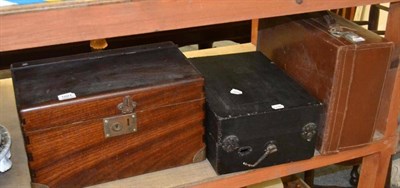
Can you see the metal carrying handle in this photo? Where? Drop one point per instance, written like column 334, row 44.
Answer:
column 338, row 30
column 271, row 148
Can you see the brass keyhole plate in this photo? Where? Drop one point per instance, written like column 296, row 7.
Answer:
column 119, row 125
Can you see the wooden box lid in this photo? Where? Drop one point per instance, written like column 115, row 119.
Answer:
column 106, row 76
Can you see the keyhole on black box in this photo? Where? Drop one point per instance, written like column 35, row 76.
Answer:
column 245, row 150
column 116, row 127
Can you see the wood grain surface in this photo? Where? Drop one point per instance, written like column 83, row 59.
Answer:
column 78, row 154
column 49, row 5
column 101, row 106
column 50, row 27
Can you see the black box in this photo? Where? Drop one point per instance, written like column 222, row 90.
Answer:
column 255, row 113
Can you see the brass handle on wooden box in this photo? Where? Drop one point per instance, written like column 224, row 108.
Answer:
column 271, row 148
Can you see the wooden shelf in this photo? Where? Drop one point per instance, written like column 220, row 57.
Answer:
column 28, row 29
column 59, row 26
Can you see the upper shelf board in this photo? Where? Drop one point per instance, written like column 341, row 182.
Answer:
column 44, row 27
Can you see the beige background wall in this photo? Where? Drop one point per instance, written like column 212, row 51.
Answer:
column 362, row 13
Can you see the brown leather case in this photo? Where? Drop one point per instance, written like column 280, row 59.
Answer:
column 348, row 77
column 136, row 110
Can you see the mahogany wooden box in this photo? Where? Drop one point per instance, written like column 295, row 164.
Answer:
column 256, row 115
column 108, row 115
column 347, row 75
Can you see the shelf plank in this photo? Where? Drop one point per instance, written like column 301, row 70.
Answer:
column 13, row 9
column 50, row 27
